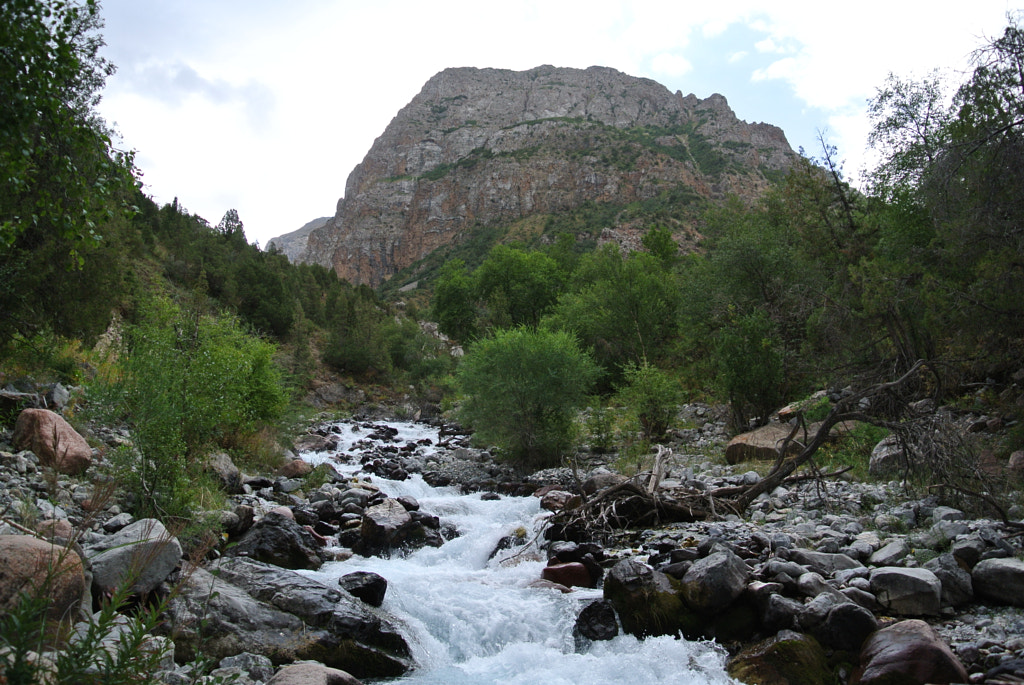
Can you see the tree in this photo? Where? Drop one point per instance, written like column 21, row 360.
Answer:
column 521, row 390
column 453, row 301
column 652, row 396
column 517, row 286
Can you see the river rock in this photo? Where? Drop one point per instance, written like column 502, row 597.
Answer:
column 887, row 458
column 957, row 587
column 31, row 565
column 785, row 659
column 907, row 652
column 53, row 440
column 573, row 574
column 825, row 563
column 279, row 540
column 714, row 582
column 143, row 553
column 365, row 585
column 312, row 674
column 1000, row 580
column 223, row 468
column 647, row 601
column 907, row 591
column 296, row 468
column 845, row 627
column 597, row 621
column 891, row 553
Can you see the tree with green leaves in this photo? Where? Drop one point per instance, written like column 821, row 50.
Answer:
column 521, row 389
column 517, row 286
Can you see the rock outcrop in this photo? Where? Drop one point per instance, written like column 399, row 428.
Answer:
column 490, row 147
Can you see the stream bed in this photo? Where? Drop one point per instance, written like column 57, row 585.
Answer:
column 472, row 617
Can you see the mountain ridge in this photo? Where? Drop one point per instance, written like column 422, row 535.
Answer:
column 480, row 147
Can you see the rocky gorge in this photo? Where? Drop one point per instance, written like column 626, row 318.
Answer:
column 818, row 581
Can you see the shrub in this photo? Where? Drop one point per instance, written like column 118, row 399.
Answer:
column 184, row 383
column 652, row 396
column 522, row 389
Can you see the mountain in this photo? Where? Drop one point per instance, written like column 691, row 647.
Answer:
column 293, row 244
column 486, row 147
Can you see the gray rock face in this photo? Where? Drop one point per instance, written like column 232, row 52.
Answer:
column 645, row 600
column 957, row 588
column 715, row 581
column 278, row 540
column 491, row 146
column 143, row 553
column 1001, row 580
column 907, row 591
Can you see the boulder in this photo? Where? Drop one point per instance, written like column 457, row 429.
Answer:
column 597, row 621
column 223, row 468
column 907, row 652
column 31, row 565
column 312, row 674
column 1000, row 580
column 573, row 574
column 53, row 440
column 279, row 540
column 887, row 458
column 647, row 601
column 891, row 553
column 760, row 443
column 143, row 553
column 256, row 666
column 388, row 525
column 957, row 588
column 296, row 468
column 845, row 627
column 907, row 591
column 825, row 563
column 787, row 658
column 365, row 585
column 714, row 582
column 556, row 500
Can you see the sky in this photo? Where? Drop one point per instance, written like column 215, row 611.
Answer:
column 266, row 106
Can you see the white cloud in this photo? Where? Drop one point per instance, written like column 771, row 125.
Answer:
column 671, row 65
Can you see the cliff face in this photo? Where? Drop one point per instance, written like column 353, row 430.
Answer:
column 293, row 244
column 486, row 146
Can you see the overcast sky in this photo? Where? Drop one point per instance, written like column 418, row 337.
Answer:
column 265, row 106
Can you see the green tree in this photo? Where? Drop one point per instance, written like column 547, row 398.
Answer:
column 751, row 369
column 517, row 286
column 521, row 390
column 652, row 396
column 453, row 302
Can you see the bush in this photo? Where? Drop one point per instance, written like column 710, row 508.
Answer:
column 652, row 396
column 522, row 389
column 184, row 383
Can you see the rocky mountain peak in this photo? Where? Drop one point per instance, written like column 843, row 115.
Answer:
column 479, row 147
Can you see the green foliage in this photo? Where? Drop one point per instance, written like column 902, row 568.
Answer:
column 453, row 302
column 750, row 367
column 516, row 286
column 652, row 396
column 185, row 382
column 851, row 449
column 521, row 391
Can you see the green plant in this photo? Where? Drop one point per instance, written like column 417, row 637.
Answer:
column 599, row 424
column 522, row 389
column 184, row 382
column 652, row 396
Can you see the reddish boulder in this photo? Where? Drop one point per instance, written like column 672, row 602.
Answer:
column 907, row 652
column 53, row 440
column 309, row 673
column 28, row 564
column 573, row 574
column 760, row 443
column 296, row 468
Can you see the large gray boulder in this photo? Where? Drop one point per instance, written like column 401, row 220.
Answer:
column 907, row 591
column 825, row 563
column 143, row 553
column 714, row 582
column 1000, row 580
column 277, row 539
column 312, row 674
column 957, row 587
column 647, row 601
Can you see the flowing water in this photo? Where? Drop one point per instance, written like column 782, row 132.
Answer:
column 472, row 619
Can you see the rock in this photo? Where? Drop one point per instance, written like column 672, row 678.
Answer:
column 279, row 540
column 907, row 652
column 887, row 458
column 845, row 627
column 597, row 621
column 312, row 674
column 55, row 529
column 31, row 565
column 1000, row 580
column 256, row 666
column 957, row 587
column 366, row 585
column 788, row 658
column 891, row 553
column 388, row 525
column 228, row 475
column 647, row 601
column 601, row 481
column 143, row 553
column 573, row 574
column 556, row 500
column 824, row 563
column 714, row 582
column 53, row 440
column 907, row 591
column 296, row 468
column 761, row 443
column 118, row 522
column 1016, row 462
column 967, row 551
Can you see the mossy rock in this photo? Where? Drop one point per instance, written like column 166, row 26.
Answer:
column 788, row 658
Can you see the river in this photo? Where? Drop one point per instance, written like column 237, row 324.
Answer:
column 474, row 620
